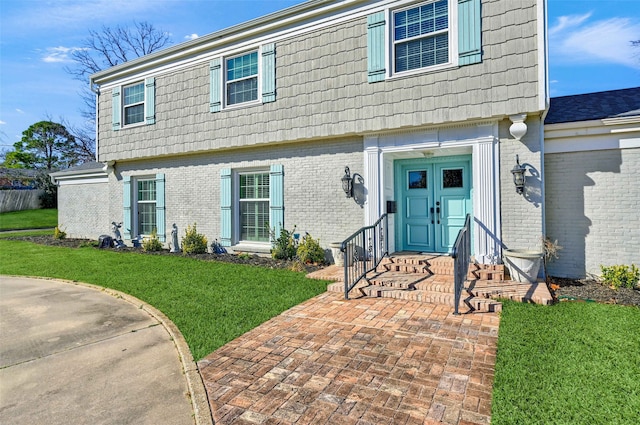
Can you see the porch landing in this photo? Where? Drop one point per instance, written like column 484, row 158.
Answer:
column 428, row 278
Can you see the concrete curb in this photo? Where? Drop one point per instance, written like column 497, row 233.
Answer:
column 195, row 385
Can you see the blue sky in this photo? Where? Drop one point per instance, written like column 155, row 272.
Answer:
column 589, row 43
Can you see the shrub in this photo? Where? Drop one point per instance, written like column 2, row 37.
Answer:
column 310, row 250
column 152, row 243
column 620, row 276
column 283, row 247
column 193, row 242
column 58, row 233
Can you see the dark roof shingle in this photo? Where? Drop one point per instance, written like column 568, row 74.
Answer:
column 594, row 106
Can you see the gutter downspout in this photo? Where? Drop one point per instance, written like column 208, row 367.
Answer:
column 96, row 90
column 547, row 102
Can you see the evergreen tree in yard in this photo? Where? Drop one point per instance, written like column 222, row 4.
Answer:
column 45, row 145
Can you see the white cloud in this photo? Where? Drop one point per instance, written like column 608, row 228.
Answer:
column 20, row 111
column 191, row 36
column 2, row 122
column 59, row 54
column 568, row 22
column 577, row 39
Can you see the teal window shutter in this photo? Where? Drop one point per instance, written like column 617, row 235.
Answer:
column 116, row 107
column 268, row 73
column 469, row 32
column 215, row 85
column 150, row 100
column 225, row 207
column 376, row 69
column 276, row 198
column 126, row 210
column 161, row 230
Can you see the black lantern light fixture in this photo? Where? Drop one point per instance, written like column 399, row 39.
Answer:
column 347, row 182
column 518, row 176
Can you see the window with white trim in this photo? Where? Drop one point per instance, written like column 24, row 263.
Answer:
column 146, row 206
column 420, row 36
column 133, row 103
column 253, row 208
column 242, row 78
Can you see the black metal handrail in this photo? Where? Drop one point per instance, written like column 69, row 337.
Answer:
column 461, row 255
column 363, row 251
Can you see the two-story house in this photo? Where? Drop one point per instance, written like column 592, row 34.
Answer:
column 252, row 127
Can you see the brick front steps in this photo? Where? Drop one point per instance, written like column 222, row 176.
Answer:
column 429, row 278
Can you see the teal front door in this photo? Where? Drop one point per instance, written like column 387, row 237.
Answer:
column 433, row 199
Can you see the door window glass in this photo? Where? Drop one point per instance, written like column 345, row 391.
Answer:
column 418, row 179
column 452, row 178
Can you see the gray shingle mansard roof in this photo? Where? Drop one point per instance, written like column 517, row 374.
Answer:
column 593, row 106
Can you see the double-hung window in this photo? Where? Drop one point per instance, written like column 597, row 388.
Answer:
column 425, row 36
column 421, row 36
column 242, row 78
column 133, row 103
column 146, row 206
column 251, row 203
column 254, row 206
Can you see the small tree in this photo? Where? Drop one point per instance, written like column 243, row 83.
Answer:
column 45, row 145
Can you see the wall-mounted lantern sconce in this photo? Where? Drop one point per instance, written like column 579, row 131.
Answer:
column 348, row 182
column 518, row 176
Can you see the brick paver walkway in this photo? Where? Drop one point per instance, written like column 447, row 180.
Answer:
column 366, row 361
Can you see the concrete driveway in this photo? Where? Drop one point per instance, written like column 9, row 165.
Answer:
column 72, row 354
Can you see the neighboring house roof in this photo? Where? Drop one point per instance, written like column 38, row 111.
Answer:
column 18, row 172
column 594, row 106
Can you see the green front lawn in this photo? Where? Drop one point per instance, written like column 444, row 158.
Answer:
column 210, row 302
column 29, row 219
column 571, row 363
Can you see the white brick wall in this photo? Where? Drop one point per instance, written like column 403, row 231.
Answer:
column 314, row 200
column 592, row 209
column 83, row 210
column 521, row 214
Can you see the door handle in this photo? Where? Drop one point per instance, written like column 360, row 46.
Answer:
column 431, row 215
column 438, row 211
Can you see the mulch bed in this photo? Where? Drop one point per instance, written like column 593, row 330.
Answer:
column 581, row 290
column 255, row 260
column 591, row 290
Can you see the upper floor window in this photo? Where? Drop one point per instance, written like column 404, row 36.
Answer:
column 421, row 36
column 133, row 103
column 242, row 78
column 246, row 78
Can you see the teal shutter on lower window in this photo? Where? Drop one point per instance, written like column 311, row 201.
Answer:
column 161, row 228
column 276, row 198
column 469, row 32
column 116, row 107
column 215, row 85
column 225, row 207
column 126, row 210
column 150, row 100
column 268, row 73
column 376, row 69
